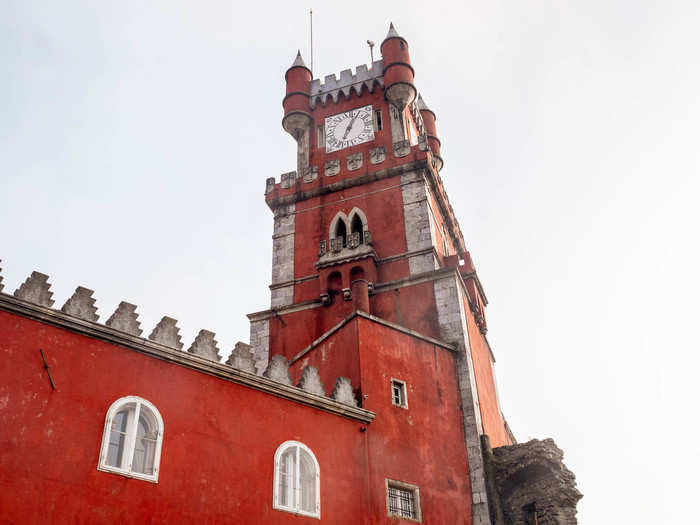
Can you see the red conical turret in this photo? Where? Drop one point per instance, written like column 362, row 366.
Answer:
column 297, row 111
column 398, row 73
column 431, row 131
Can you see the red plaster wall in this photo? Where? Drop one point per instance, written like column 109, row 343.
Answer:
column 218, row 445
column 424, row 444
column 337, row 356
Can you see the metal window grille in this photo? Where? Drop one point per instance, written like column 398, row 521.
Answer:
column 402, row 502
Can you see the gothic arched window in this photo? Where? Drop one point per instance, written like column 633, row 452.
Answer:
column 297, row 481
column 132, row 439
column 358, row 227
column 341, row 232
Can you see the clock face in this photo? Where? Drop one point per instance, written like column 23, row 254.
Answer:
column 349, row 129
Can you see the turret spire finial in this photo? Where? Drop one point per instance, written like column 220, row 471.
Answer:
column 298, row 61
column 392, row 32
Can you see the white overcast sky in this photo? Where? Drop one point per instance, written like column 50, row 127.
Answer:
column 136, row 137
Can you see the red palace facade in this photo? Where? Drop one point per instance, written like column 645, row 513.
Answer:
column 365, row 395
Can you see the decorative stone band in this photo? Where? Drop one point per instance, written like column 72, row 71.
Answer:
column 157, row 350
column 432, row 178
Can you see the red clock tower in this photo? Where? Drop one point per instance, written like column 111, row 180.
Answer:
column 367, row 393
column 365, row 243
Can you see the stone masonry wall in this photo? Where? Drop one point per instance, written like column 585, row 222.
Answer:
column 419, row 231
column 283, row 257
column 450, row 301
column 260, row 341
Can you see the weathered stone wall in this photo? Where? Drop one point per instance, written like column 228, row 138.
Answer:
column 450, row 301
column 417, row 223
column 282, row 286
column 529, row 484
column 260, row 343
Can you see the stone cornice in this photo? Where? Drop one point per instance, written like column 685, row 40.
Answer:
column 387, row 173
column 158, row 351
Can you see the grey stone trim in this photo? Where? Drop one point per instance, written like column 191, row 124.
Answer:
column 332, row 87
column 311, row 381
column 129, row 342
column 396, row 121
column 1, row 285
column 167, row 333
column 294, row 281
column 81, row 304
column 278, row 370
column 283, row 252
column 125, row 319
column 204, row 345
column 417, row 222
column 242, row 358
column 354, row 161
column 281, row 296
column 283, row 310
column 342, row 392
column 347, row 183
column 407, row 255
column 269, row 185
column 260, row 341
column 36, row 289
column 449, row 299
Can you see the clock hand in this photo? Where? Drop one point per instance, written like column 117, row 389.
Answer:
column 347, row 130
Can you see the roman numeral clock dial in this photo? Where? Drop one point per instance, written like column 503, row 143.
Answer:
column 349, row 129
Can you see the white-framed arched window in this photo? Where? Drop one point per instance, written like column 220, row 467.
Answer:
column 297, row 484
column 132, row 439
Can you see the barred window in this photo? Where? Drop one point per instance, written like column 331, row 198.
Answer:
column 132, row 439
column 297, row 480
column 403, row 500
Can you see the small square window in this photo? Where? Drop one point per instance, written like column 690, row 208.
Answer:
column 403, row 500
column 398, row 393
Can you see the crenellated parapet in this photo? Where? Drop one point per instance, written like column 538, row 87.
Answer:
column 333, row 87
column 33, row 299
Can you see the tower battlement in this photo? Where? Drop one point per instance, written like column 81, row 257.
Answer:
column 333, row 86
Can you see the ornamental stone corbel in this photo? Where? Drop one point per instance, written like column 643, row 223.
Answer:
column 402, row 148
column 377, row 155
column 354, row 161
column 331, row 168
